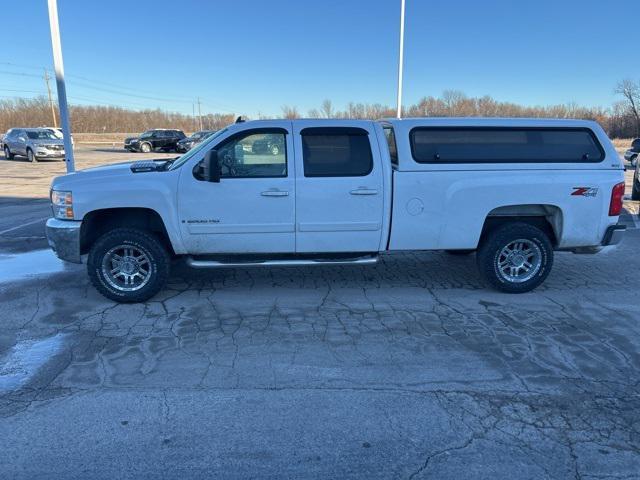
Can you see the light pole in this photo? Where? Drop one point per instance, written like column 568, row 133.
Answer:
column 400, row 60
column 62, row 91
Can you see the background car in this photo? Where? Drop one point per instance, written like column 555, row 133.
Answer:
column 631, row 155
column 273, row 144
column 188, row 143
column 156, row 139
column 33, row 143
column 58, row 133
column 635, row 189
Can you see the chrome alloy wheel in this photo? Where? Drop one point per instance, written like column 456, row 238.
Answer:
column 519, row 261
column 126, row 268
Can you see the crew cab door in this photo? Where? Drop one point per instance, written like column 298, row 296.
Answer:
column 252, row 209
column 339, row 187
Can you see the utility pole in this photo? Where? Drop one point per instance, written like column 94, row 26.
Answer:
column 53, row 110
column 58, row 65
column 199, row 114
column 193, row 115
column 401, row 59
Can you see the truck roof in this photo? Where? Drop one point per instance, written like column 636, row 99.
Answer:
column 490, row 122
column 449, row 122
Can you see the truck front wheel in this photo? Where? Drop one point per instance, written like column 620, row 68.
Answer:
column 128, row 265
column 515, row 257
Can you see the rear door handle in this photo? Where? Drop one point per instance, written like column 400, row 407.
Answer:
column 275, row 193
column 363, row 191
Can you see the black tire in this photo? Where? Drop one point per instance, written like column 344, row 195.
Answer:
column 145, row 242
column 459, row 252
column 635, row 188
column 491, row 251
column 31, row 156
column 146, row 147
column 7, row 153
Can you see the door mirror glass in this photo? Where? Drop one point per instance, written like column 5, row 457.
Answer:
column 211, row 167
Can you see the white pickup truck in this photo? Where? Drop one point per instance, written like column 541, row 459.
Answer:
column 319, row 192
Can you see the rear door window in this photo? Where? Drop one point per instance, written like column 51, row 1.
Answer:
column 336, row 152
column 504, row 145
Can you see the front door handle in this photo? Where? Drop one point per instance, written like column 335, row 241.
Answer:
column 364, row 191
column 275, row 193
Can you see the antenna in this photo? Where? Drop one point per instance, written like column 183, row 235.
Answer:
column 53, row 110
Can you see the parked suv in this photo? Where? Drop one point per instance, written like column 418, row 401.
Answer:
column 58, row 133
column 272, row 144
column 33, row 143
column 631, row 155
column 157, row 139
column 188, row 143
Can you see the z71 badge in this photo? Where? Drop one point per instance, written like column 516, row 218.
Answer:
column 585, row 191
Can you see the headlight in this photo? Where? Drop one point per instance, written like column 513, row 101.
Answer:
column 62, row 204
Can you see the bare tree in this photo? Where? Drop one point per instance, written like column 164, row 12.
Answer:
column 326, row 109
column 290, row 112
column 630, row 90
column 619, row 121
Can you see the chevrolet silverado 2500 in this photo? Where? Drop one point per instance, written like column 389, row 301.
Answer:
column 342, row 192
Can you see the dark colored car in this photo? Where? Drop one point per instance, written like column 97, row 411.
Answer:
column 273, row 144
column 635, row 188
column 631, row 155
column 188, row 143
column 157, row 139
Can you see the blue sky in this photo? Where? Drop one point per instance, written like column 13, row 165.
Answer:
column 252, row 56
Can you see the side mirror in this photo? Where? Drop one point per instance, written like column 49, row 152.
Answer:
column 21, row 139
column 212, row 167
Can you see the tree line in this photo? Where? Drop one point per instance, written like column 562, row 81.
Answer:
column 621, row 120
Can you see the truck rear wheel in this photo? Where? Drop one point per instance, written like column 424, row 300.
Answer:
column 128, row 265
column 515, row 257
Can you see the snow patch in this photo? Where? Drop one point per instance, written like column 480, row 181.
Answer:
column 25, row 359
column 23, row 266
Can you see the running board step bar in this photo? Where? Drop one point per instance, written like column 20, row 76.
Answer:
column 197, row 263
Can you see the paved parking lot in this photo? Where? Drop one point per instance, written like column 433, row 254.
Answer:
column 409, row 369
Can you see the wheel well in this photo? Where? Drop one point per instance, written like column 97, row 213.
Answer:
column 97, row 223
column 547, row 218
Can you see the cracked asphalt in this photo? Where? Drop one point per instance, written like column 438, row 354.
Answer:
column 408, row 369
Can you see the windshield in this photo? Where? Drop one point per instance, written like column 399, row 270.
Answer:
column 41, row 135
column 147, row 134
column 194, row 151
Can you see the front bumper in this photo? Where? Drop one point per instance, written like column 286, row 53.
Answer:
column 613, row 235
column 64, row 239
